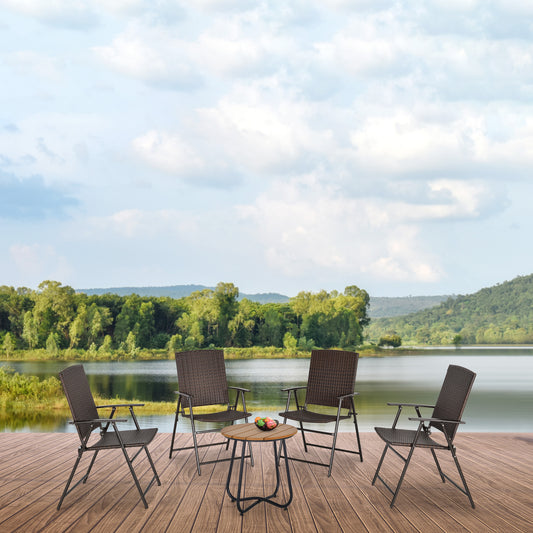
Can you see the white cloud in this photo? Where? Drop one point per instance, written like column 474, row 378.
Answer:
column 75, row 14
column 169, row 153
column 142, row 225
column 308, row 227
column 152, row 56
column 37, row 262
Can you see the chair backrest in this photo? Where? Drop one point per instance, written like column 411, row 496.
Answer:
column 79, row 397
column 331, row 374
column 453, row 397
column 202, row 374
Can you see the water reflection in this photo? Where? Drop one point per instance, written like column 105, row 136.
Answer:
column 501, row 400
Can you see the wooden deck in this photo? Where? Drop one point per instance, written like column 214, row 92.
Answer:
column 498, row 468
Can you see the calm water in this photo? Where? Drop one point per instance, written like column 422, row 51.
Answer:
column 501, row 399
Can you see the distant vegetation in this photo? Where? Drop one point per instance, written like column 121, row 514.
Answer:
column 502, row 314
column 381, row 307
column 181, row 291
column 57, row 322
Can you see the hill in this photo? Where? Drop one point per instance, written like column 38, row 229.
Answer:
column 502, row 314
column 180, row 291
column 381, row 307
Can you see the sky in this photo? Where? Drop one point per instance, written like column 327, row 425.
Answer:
column 281, row 146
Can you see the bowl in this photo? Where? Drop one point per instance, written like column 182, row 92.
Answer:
column 266, row 423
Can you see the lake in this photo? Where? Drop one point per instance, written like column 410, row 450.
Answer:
column 501, row 399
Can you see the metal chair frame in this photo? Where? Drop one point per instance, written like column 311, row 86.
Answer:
column 193, row 379
column 76, row 387
column 315, row 388
column 421, row 437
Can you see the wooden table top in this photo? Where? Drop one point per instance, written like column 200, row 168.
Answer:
column 250, row 432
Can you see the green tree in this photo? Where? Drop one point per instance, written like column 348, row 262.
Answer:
column 30, row 332
column 54, row 310
column 106, row 346
column 131, row 345
column 99, row 319
column 289, row 342
column 146, row 325
column 78, row 327
column 52, row 344
column 241, row 326
column 9, row 344
column 225, row 299
column 391, row 339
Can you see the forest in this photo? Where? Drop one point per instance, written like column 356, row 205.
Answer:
column 502, row 314
column 56, row 317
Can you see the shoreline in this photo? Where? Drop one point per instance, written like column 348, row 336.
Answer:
column 249, row 353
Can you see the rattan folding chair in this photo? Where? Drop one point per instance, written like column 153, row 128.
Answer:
column 202, row 382
column 85, row 418
column 446, row 417
column 331, row 383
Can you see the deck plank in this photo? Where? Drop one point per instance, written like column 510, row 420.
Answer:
column 497, row 466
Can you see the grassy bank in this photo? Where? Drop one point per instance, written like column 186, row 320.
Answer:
column 255, row 352
column 27, row 398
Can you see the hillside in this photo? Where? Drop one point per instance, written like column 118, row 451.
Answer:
column 381, row 307
column 502, row 314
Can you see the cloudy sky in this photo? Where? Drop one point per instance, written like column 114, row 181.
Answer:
column 278, row 145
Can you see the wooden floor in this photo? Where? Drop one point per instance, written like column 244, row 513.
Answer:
column 34, row 468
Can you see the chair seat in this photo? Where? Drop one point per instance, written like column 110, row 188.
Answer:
column 130, row 437
column 405, row 437
column 220, row 416
column 302, row 415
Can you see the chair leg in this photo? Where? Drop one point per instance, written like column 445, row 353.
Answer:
column 303, row 436
column 357, row 432
column 380, row 463
column 174, row 432
column 137, row 484
column 467, row 490
column 152, row 465
column 90, row 466
column 195, row 442
column 333, row 444
column 70, row 479
column 441, row 474
column 407, row 461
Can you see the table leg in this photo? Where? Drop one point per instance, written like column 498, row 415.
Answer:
column 257, row 499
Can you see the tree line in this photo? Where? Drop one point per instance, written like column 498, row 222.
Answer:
column 56, row 317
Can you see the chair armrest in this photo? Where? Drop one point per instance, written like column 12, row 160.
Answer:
column 439, row 420
column 184, row 394
column 347, row 395
column 294, row 388
column 120, row 405
column 239, row 389
column 398, row 404
column 97, row 421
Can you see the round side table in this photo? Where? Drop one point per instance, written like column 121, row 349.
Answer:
column 246, row 433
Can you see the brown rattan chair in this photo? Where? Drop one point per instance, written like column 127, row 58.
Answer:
column 446, row 417
column 85, row 418
column 202, row 382
column 330, row 384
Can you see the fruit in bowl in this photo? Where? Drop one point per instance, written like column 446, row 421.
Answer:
column 266, row 423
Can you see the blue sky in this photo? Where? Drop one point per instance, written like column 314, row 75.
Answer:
column 280, row 146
